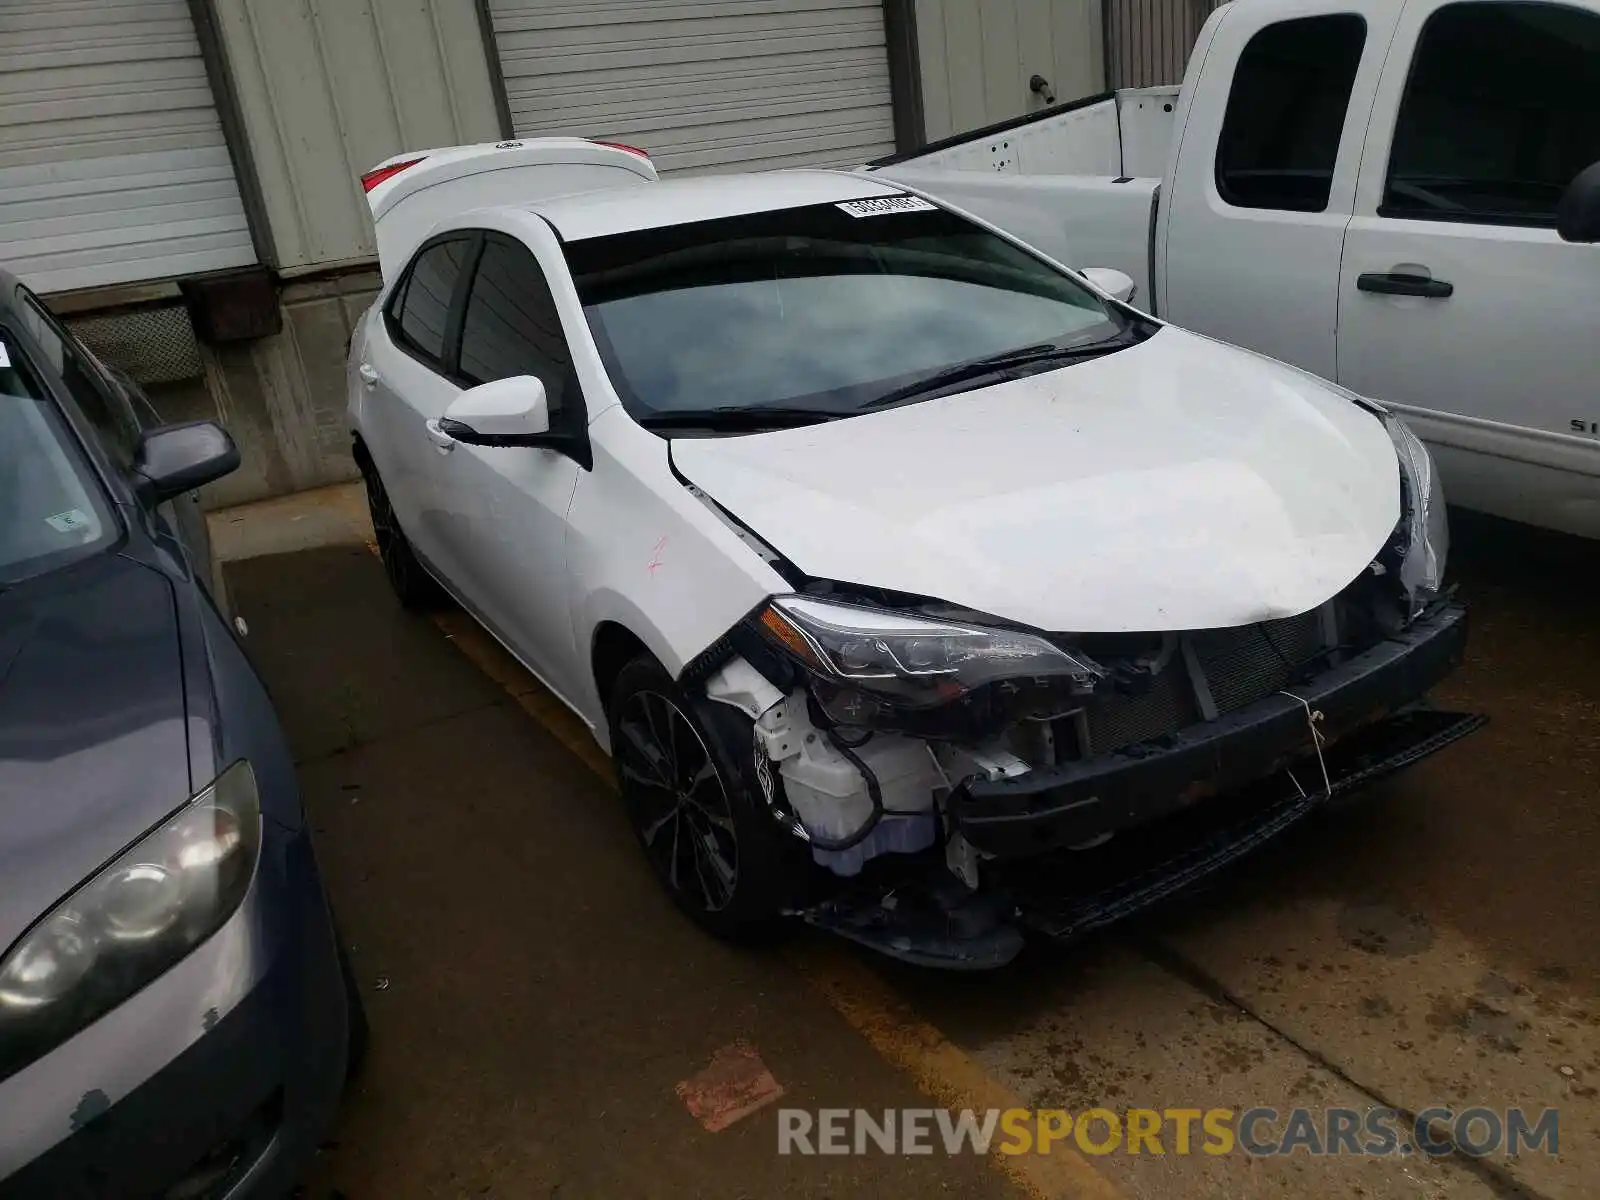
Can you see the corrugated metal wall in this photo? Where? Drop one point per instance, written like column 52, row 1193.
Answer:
column 327, row 88
column 978, row 56
column 703, row 85
column 1148, row 41
column 113, row 166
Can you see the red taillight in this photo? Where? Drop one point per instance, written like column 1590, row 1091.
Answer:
column 379, row 174
column 622, row 146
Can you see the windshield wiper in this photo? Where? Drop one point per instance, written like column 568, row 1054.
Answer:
column 736, row 418
column 995, row 364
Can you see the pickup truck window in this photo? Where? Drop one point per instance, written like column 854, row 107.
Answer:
column 1280, row 134
column 1498, row 116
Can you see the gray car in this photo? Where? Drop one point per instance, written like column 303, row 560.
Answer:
column 176, row 1017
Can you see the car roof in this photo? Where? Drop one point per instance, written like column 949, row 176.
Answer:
column 701, row 198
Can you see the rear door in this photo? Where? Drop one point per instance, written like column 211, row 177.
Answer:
column 1458, row 302
column 405, row 370
column 1266, row 173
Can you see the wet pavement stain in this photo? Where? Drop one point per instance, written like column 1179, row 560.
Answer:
column 1380, row 929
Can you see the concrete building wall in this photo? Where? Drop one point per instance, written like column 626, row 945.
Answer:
column 325, row 89
column 313, row 93
column 977, row 57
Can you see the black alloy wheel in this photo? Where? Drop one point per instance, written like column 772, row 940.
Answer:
column 412, row 584
column 686, row 771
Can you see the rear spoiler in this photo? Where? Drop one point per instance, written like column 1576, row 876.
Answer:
column 410, row 194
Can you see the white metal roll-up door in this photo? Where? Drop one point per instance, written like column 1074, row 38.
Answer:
column 113, row 166
column 703, row 86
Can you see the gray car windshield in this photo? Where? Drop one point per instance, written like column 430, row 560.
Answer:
column 52, row 511
column 828, row 309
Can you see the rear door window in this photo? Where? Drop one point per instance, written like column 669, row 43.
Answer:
column 1501, row 111
column 1285, row 116
column 419, row 315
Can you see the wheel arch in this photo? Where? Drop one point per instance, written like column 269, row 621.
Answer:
column 612, row 647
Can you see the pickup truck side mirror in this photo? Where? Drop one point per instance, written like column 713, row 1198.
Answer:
column 507, row 412
column 1578, row 213
column 1114, row 283
column 173, row 459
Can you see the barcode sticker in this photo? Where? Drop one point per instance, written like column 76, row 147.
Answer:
column 882, row 205
column 74, row 520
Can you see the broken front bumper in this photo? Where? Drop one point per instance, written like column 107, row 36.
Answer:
column 1077, row 803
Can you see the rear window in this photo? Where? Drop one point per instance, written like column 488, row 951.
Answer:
column 1280, row 134
column 825, row 307
column 52, row 510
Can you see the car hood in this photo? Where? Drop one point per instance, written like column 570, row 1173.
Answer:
column 1178, row 484
column 93, row 748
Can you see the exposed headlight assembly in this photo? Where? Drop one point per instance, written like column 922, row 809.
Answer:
column 1423, row 535
column 131, row 921
column 883, row 669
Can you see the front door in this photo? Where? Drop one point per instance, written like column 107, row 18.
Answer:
column 1266, row 174
column 515, row 499
column 1458, row 303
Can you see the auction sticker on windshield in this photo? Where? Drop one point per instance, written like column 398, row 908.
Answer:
column 882, row 205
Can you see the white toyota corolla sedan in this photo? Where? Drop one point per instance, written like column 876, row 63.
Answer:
column 919, row 586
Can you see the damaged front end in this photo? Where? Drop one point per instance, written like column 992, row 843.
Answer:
column 958, row 779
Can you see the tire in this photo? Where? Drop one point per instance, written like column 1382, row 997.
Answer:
column 740, row 882
column 358, row 1031
column 413, row 586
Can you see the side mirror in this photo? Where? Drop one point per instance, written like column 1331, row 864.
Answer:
column 173, row 459
column 1578, row 213
column 507, row 412
column 1114, row 283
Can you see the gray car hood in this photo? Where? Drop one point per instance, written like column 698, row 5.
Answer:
column 93, row 747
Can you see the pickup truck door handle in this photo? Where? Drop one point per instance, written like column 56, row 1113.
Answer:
column 1392, row 283
column 368, row 373
column 441, row 440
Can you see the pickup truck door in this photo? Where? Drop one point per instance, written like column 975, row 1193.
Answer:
column 1458, row 302
column 1262, row 187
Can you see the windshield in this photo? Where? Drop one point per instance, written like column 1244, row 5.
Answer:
column 826, row 308
column 52, row 511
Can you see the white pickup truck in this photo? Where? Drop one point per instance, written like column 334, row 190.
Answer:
column 1399, row 195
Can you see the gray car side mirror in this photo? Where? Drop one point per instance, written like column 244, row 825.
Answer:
column 173, row 459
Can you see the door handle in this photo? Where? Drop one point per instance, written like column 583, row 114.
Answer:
column 442, row 441
column 1040, row 87
column 368, row 373
column 1395, row 283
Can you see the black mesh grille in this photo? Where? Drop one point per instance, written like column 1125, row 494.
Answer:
column 1243, row 665
column 1168, row 705
column 1240, row 666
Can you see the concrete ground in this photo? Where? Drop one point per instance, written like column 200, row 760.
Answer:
column 535, row 1002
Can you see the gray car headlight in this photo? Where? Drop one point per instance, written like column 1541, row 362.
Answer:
column 132, row 920
column 880, row 668
column 1424, row 531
